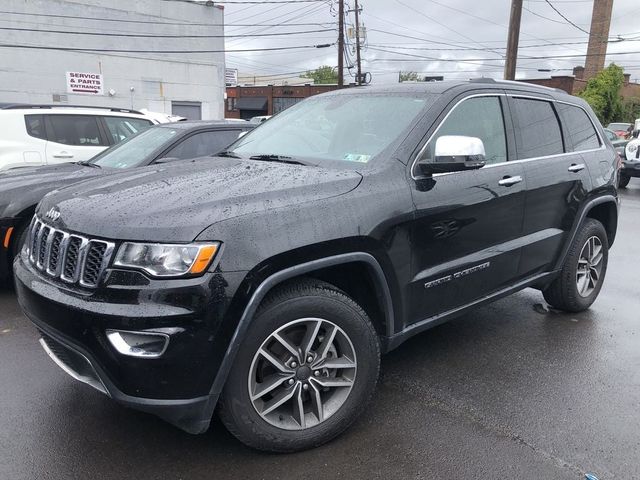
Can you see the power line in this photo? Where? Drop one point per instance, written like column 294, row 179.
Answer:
column 309, row 10
column 441, row 24
column 99, row 50
column 469, row 60
column 144, row 35
column 472, row 49
column 260, row 2
column 567, row 20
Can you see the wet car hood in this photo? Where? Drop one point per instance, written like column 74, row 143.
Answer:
column 21, row 188
column 175, row 202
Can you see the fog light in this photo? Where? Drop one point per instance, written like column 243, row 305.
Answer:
column 138, row 344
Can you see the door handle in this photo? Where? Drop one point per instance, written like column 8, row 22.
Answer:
column 62, row 155
column 576, row 167
column 508, row 181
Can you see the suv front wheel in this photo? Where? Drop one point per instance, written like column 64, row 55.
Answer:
column 305, row 371
column 583, row 271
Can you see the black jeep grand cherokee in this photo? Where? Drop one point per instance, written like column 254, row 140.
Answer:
column 269, row 281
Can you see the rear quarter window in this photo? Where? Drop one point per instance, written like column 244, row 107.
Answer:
column 579, row 127
column 35, row 126
column 80, row 130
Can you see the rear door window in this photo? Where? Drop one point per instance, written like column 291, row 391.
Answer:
column 79, row 130
column 538, row 131
column 579, row 127
column 35, row 126
column 120, row 128
column 203, row 144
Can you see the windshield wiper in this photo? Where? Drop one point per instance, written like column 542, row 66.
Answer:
column 88, row 164
column 276, row 158
column 227, row 153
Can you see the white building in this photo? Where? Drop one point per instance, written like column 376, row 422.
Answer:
column 40, row 61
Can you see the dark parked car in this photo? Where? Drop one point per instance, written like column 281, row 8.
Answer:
column 269, row 281
column 22, row 188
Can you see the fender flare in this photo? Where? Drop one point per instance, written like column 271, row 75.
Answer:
column 277, row 278
column 583, row 214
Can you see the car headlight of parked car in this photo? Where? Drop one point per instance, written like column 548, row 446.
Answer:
column 167, row 260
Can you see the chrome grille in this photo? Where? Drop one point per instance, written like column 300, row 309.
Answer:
column 70, row 257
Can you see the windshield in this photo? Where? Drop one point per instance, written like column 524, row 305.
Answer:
column 349, row 128
column 135, row 150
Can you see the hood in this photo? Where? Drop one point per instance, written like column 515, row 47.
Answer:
column 174, row 202
column 24, row 187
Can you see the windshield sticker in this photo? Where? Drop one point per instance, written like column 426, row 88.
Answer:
column 355, row 157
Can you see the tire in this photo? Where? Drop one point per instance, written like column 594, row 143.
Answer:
column 624, row 181
column 293, row 312
column 574, row 290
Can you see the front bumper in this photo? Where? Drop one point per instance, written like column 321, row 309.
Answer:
column 630, row 169
column 175, row 386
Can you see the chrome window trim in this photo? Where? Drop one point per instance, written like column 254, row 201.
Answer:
column 508, row 162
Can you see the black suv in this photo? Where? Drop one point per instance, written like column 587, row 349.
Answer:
column 268, row 281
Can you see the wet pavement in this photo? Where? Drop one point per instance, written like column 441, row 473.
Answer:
column 509, row 391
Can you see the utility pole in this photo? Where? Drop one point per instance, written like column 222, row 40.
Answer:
column 513, row 39
column 340, row 43
column 358, row 62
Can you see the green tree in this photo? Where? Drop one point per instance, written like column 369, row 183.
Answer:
column 632, row 109
column 603, row 94
column 408, row 77
column 323, row 74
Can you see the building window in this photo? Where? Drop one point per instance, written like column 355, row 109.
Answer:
column 231, row 104
column 282, row 103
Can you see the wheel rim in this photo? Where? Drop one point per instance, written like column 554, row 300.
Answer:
column 589, row 266
column 302, row 374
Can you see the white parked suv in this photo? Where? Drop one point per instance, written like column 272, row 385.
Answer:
column 32, row 135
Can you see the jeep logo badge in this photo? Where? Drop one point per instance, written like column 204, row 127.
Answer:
column 53, row 214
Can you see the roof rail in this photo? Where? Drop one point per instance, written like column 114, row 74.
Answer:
column 515, row 82
column 15, row 106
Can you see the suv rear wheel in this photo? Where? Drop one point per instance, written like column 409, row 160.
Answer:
column 304, row 373
column 583, row 271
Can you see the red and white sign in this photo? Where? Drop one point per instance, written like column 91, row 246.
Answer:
column 87, row 83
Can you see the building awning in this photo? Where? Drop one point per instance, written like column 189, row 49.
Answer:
column 251, row 103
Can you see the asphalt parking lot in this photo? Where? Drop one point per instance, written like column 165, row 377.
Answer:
column 511, row 391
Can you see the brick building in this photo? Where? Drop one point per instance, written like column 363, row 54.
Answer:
column 246, row 102
column 573, row 84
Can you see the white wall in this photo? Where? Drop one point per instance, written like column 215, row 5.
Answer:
column 34, row 76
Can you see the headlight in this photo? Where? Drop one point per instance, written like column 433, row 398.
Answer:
column 162, row 260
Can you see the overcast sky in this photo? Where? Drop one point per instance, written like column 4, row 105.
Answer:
column 461, row 38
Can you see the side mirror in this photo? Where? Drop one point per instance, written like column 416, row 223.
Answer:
column 455, row 153
column 166, row 160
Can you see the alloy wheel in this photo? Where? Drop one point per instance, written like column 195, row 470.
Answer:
column 302, row 374
column 589, row 266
